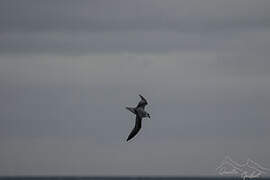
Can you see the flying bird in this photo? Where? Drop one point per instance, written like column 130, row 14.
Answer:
column 140, row 113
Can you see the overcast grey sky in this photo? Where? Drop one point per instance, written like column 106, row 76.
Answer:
column 69, row 68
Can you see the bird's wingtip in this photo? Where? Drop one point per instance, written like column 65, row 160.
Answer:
column 142, row 97
column 129, row 138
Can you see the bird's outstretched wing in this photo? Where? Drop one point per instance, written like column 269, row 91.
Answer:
column 142, row 102
column 136, row 129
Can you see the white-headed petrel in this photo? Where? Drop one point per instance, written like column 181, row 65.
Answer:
column 140, row 113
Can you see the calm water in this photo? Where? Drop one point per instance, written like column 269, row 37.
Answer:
column 126, row 178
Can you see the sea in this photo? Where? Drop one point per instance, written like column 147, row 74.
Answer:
column 125, row 178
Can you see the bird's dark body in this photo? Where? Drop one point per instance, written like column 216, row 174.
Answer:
column 140, row 113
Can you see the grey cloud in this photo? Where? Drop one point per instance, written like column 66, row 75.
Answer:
column 132, row 41
column 68, row 69
column 73, row 156
column 68, row 96
column 121, row 15
column 131, row 26
column 248, row 41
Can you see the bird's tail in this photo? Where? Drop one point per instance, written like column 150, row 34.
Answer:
column 131, row 109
